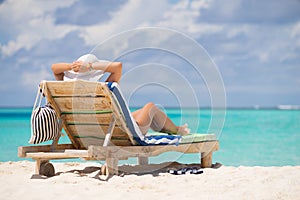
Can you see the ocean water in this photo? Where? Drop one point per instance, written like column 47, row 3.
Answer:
column 249, row 137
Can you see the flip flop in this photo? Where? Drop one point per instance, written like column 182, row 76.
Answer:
column 186, row 170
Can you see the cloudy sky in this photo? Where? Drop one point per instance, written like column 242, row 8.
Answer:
column 254, row 47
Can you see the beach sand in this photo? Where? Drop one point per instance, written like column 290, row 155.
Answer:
column 76, row 181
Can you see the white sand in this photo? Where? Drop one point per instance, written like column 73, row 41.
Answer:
column 222, row 183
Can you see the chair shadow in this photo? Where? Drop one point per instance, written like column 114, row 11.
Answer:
column 139, row 170
column 156, row 169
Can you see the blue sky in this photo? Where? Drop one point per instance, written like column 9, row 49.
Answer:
column 254, row 44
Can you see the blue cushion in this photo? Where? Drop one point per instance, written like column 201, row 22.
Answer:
column 133, row 127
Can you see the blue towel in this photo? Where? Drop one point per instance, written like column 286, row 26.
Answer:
column 134, row 128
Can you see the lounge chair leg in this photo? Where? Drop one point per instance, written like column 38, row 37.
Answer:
column 112, row 166
column 142, row 160
column 206, row 159
column 37, row 166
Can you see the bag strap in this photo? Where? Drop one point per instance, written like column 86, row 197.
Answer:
column 39, row 96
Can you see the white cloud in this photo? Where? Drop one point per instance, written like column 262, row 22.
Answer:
column 184, row 16
column 31, row 79
column 295, row 33
column 233, row 32
column 39, row 23
column 226, row 10
column 136, row 13
column 131, row 15
column 31, row 21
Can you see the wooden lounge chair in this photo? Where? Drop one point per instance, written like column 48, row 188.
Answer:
column 95, row 121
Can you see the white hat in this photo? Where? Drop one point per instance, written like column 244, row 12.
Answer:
column 93, row 75
column 88, row 58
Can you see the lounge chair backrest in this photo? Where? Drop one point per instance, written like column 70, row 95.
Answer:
column 87, row 112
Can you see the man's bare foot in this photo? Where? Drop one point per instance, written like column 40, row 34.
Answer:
column 183, row 130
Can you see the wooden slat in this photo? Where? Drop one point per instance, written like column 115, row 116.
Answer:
column 101, row 153
column 89, row 141
column 87, row 130
column 73, row 104
column 22, row 151
column 91, row 118
column 75, row 88
column 120, row 142
column 59, row 154
column 95, row 130
column 90, row 133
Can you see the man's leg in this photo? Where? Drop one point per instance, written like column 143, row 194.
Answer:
column 150, row 116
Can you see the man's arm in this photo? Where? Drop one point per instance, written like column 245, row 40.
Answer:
column 58, row 70
column 114, row 68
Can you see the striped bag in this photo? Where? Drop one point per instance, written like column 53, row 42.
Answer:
column 44, row 122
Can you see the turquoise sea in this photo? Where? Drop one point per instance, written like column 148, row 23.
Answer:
column 266, row 137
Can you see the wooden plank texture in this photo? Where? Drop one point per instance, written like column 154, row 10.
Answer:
column 75, row 88
column 58, row 155
column 95, row 134
column 101, row 153
column 23, row 150
column 95, row 130
column 74, row 104
column 90, row 118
